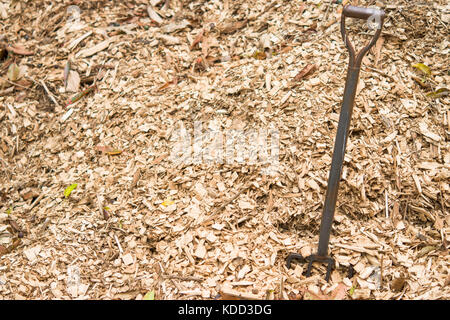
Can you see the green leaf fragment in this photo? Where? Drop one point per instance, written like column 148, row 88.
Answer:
column 149, row 295
column 9, row 211
column 352, row 289
column 438, row 93
column 69, row 189
column 422, row 67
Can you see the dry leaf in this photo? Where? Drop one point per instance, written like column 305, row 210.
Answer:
column 95, row 49
column 308, row 70
column 377, row 51
column 73, row 82
column 20, row 50
column 172, row 27
column 3, row 250
column 232, row 27
column 13, row 72
column 340, row 292
column 439, row 223
column 398, row 284
column 3, row 13
column 154, row 15
column 168, row 40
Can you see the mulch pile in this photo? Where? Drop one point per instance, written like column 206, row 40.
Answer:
column 96, row 203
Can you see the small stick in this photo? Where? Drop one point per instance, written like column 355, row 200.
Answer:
column 162, row 274
column 49, row 93
column 80, row 95
column 381, row 272
column 386, row 203
column 118, row 244
column 35, row 202
column 223, row 206
column 382, row 73
column 15, row 84
column 6, row 168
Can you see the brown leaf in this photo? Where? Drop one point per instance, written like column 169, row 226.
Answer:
column 197, row 39
column 13, row 72
column 14, row 245
column 398, row 284
column 29, row 194
column 14, row 225
column 340, row 292
column 19, row 49
column 377, row 51
column 439, row 223
column 23, row 84
column 232, row 27
column 3, row 54
column 73, row 82
column 3, row 250
column 308, row 70
column 168, row 83
column 315, row 296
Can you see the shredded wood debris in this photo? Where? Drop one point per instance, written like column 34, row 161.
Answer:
column 144, row 218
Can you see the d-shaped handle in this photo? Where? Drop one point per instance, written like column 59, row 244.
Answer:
column 369, row 14
column 362, row 13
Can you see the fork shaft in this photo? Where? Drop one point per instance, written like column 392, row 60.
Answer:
column 338, row 159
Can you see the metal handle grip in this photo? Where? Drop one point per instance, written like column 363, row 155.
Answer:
column 362, row 13
column 368, row 14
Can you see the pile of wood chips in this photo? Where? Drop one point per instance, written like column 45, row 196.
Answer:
column 94, row 204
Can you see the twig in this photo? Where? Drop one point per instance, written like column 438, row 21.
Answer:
column 224, row 205
column 118, row 244
column 36, row 201
column 50, row 94
column 381, row 272
column 6, row 168
column 163, row 275
column 15, row 84
column 382, row 73
column 386, row 203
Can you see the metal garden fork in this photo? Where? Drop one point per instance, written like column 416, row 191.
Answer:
column 370, row 15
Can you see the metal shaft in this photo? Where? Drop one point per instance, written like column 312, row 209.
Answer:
column 340, row 143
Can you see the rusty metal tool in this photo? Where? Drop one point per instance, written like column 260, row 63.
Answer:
column 370, row 15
